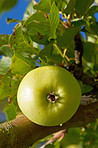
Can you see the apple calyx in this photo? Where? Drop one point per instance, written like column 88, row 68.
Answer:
column 52, row 97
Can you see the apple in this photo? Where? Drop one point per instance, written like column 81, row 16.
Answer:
column 49, row 95
column 74, row 146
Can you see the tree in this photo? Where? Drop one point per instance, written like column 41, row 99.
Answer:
column 51, row 33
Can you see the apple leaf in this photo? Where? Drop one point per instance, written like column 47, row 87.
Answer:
column 85, row 88
column 29, row 11
column 5, row 63
column 3, row 39
column 40, row 39
column 43, row 5
column 40, row 24
column 82, row 6
column 21, row 42
column 3, row 104
column 92, row 10
column 38, row 16
column 9, row 85
column 5, row 50
column 72, row 137
column 50, row 54
column 21, row 64
column 53, row 20
column 90, row 135
column 36, row 27
column 10, row 112
column 11, row 20
column 70, row 4
column 94, row 27
column 68, row 35
column 90, row 53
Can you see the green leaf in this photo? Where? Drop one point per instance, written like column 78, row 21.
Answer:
column 10, row 112
column 5, row 63
column 92, row 10
column 90, row 52
column 37, row 16
column 50, row 54
column 69, row 9
column 85, row 88
column 21, row 42
column 82, row 6
column 90, row 56
column 21, row 65
column 53, row 20
column 9, row 85
column 3, row 39
column 3, row 104
column 90, row 135
column 29, row 11
column 5, row 50
column 10, row 20
column 91, row 27
column 72, row 137
column 68, row 36
column 39, row 28
column 6, row 5
column 40, row 25
column 94, row 27
column 43, row 5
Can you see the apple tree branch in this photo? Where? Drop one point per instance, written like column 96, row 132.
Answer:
column 21, row 132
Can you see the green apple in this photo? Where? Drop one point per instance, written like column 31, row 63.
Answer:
column 49, row 95
column 74, row 146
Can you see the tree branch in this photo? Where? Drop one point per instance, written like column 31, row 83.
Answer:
column 86, row 79
column 78, row 50
column 22, row 133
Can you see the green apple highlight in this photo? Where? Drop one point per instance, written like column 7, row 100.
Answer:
column 49, row 95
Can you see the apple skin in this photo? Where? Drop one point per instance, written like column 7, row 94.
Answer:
column 74, row 146
column 36, row 86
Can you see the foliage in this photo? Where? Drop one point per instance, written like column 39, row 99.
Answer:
column 83, row 137
column 45, row 36
column 6, row 5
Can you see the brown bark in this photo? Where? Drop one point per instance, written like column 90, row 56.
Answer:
column 22, row 133
column 78, row 50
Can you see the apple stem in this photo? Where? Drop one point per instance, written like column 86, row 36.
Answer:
column 52, row 97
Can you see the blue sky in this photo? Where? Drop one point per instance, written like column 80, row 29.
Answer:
column 16, row 12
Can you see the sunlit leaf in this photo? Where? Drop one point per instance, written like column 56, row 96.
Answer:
column 5, row 63
column 21, row 42
column 29, row 11
column 21, row 64
column 53, row 20
column 43, row 5
column 9, row 85
column 5, row 50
